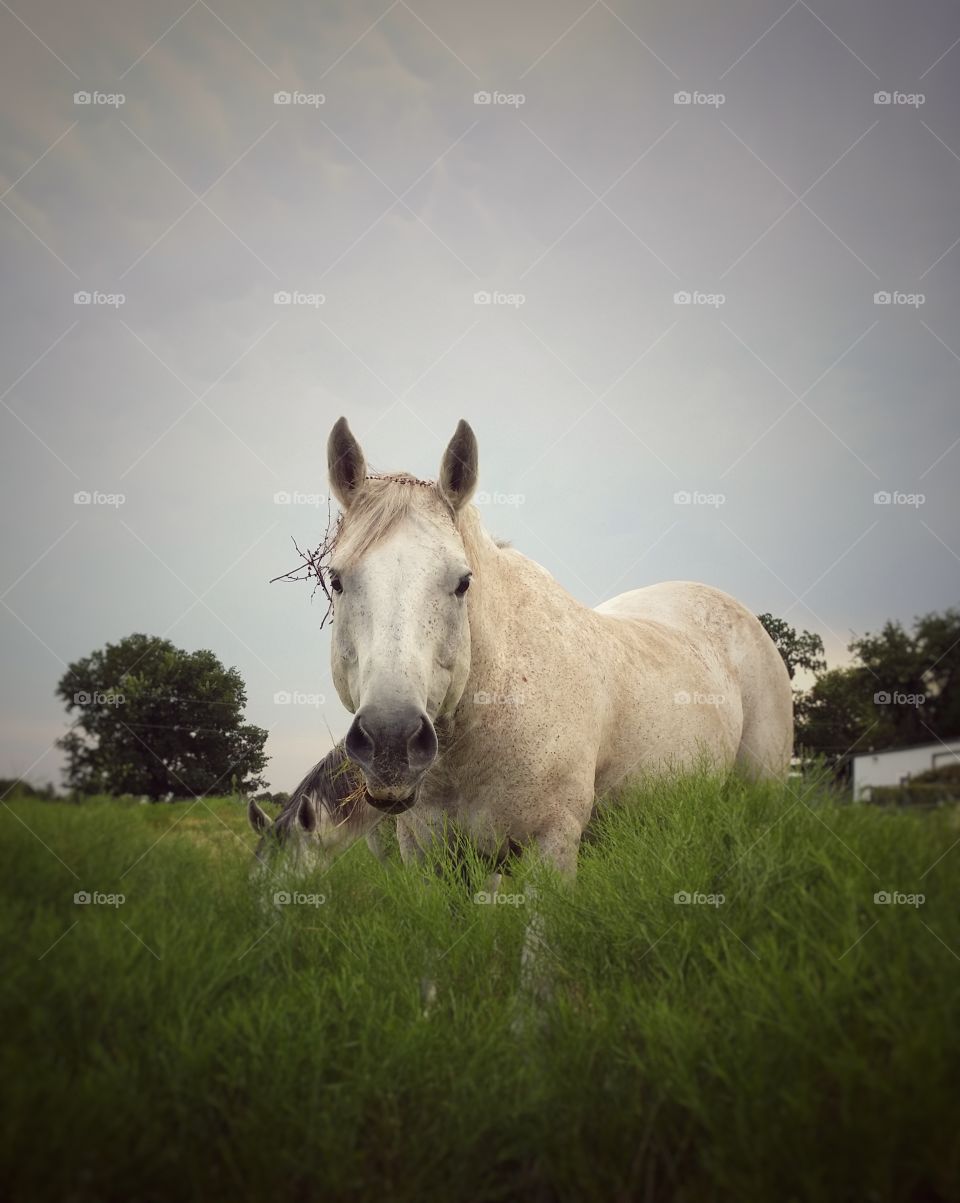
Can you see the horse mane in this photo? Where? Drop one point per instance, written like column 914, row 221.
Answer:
column 384, row 500
column 335, row 783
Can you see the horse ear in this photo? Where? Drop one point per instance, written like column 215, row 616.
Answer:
column 345, row 463
column 258, row 819
column 306, row 813
column 458, row 469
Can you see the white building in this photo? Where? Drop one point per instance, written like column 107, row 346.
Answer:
column 894, row 766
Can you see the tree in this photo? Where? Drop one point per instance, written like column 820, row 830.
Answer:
column 901, row 689
column 925, row 662
column 798, row 651
column 15, row 788
column 153, row 719
column 835, row 713
column 279, row 797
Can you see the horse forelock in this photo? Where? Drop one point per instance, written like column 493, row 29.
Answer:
column 384, row 501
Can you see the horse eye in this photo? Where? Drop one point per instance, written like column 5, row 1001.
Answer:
column 335, row 583
column 463, row 586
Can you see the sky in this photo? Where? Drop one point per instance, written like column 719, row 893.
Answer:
column 690, row 270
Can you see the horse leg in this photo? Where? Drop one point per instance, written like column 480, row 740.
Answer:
column 376, row 845
column 414, row 840
column 557, row 846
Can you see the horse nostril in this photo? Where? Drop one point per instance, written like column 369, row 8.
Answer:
column 422, row 744
column 358, row 744
column 388, row 743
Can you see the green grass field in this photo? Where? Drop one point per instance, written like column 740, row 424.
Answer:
column 794, row 1041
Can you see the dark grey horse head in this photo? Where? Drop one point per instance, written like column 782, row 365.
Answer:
column 323, row 815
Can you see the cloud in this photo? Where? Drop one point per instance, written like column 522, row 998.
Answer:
column 504, row 199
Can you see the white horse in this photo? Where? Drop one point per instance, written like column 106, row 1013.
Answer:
column 488, row 701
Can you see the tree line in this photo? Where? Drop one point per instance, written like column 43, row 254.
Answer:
column 901, row 687
column 152, row 720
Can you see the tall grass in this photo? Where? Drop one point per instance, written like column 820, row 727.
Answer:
column 784, row 1037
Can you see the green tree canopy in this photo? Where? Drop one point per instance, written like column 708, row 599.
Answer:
column 803, row 650
column 149, row 718
column 833, row 716
column 901, row 689
column 15, row 788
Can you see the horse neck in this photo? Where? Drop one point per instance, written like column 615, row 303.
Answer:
column 509, row 583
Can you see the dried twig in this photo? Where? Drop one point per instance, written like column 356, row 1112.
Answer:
column 315, row 563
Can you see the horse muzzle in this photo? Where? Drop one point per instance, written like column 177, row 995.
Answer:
column 394, row 748
column 390, row 806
